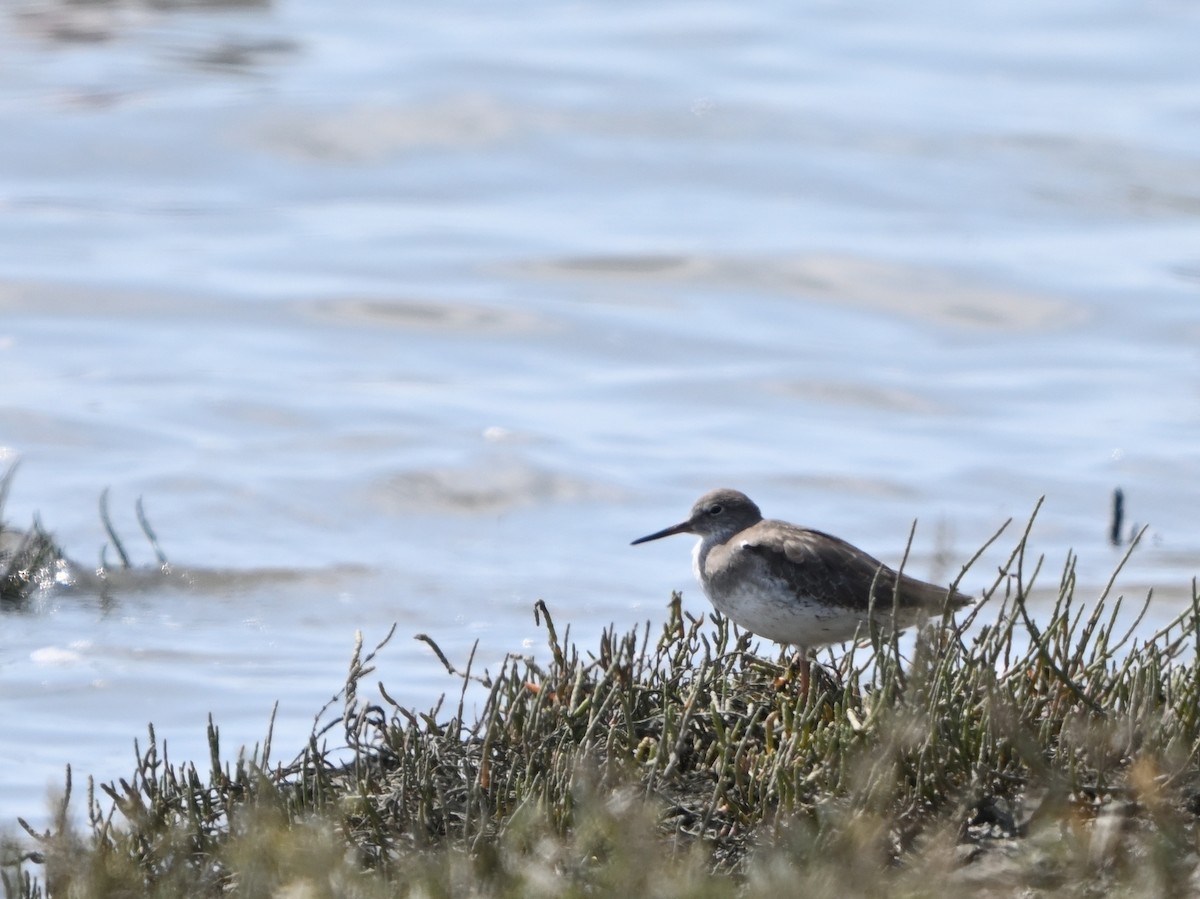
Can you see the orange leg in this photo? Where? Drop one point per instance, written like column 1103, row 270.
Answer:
column 801, row 665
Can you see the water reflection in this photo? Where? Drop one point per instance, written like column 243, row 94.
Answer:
column 101, row 21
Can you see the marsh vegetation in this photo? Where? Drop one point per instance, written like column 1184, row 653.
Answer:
column 1003, row 752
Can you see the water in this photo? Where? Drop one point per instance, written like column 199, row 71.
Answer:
column 418, row 315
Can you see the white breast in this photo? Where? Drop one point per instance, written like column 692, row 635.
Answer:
column 697, row 558
column 772, row 611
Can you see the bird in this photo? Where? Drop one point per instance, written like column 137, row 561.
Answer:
column 794, row 585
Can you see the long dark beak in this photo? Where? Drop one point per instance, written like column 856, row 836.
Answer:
column 684, row 527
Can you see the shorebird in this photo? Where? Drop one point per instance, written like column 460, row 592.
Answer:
column 794, row 585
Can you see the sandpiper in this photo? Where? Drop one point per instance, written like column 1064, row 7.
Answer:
column 794, row 585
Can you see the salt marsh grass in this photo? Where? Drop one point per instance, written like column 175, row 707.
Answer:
column 1006, row 752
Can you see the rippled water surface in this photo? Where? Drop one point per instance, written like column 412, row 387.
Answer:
column 417, row 314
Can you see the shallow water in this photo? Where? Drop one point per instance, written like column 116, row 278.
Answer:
column 420, row 315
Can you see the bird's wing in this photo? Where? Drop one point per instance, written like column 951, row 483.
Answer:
column 818, row 564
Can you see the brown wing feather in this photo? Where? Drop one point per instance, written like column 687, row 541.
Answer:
column 818, row 564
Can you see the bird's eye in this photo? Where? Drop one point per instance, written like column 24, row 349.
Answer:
column 715, row 509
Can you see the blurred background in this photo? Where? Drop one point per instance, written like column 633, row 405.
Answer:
column 418, row 313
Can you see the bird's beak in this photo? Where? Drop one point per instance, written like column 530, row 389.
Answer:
column 684, row 527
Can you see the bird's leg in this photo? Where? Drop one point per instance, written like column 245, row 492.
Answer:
column 801, row 665
column 805, row 671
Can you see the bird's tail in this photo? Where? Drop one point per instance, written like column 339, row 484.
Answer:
column 932, row 598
